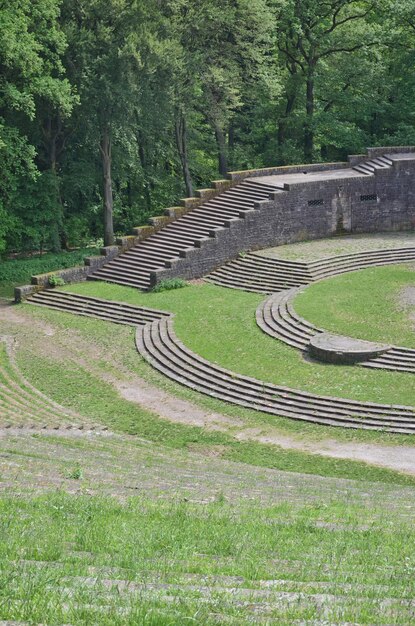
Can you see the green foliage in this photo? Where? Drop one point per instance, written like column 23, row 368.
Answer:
column 168, row 285
column 181, row 90
column 56, row 281
column 18, row 271
column 75, row 473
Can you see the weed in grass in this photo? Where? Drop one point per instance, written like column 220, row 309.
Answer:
column 75, row 473
column 168, row 285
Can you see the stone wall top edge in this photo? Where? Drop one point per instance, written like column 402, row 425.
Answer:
column 316, row 166
column 286, row 169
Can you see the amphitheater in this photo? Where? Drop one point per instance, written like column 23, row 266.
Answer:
column 212, row 421
column 245, row 233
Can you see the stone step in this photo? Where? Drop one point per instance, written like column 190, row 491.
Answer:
column 239, row 273
column 386, row 160
column 159, row 345
column 277, row 318
column 183, row 229
column 362, row 169
column 385, row 253
column 164, row 248
column 226, row 212
column 117, row 312
column 139, row 281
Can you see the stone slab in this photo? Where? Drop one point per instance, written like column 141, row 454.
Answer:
column 344, row 350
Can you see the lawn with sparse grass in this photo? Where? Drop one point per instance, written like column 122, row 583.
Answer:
column 368, row 304
column 326, row 550
column 95, row 560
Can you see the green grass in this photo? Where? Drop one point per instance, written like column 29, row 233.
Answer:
column 365, row 304
column 59, row 553
column 219, row 324
column 87, row 394
column 76, row 383
column 16, row 272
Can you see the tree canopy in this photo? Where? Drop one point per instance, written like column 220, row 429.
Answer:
column 113, row 109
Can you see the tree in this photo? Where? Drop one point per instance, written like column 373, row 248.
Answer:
column 310, row 32
column 32, row 78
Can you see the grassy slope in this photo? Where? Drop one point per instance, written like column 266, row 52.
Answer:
column 349, row 563
column 365, row 304
column 18, row 271
column 219, row 324
column 81, row 388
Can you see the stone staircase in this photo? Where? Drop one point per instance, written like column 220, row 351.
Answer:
column 258, row 273
column 111, row 311
column 158, row 344
column 331, row 266
column 252, row 272
column 134, row 267
column 369, row 167
column 22, row 405
column 276, row 317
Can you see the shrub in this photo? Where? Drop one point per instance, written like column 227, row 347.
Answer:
column 56, row 281
column 167, row 285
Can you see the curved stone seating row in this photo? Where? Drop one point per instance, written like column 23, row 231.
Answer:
column 340, row 264
column 98, row 308
column 260, row 274
column 158, row 344
column 276, row 317
column 21, row 402
column 269, row 275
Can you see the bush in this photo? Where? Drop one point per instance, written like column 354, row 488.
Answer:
column 56, row 281
column 167, row 285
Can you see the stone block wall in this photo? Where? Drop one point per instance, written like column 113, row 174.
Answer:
column 310, row 210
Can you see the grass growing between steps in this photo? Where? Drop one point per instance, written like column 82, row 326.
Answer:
column 79, row 360
column 16, row 272
column 219, row 324
column 367, row 304
column 89, row 560
column 86, row 393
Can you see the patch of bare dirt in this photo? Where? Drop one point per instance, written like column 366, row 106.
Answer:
column 169, row 407
column 398, row 458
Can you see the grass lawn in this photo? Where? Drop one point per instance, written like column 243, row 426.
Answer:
column 367, row 304
column 95, row 560
column 76, row 381
column 300, row 547
column 16, row 272
column 219, row 324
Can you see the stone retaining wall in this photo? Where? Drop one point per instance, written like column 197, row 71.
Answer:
column 305, row 210
column 310, row 210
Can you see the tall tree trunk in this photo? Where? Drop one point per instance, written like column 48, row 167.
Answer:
column 308, row 127
column 52, row 133
column 144, row 165
column 181, row 142
column 282, row 123
column 222, row 152
column 105, row 148
column 231, row 144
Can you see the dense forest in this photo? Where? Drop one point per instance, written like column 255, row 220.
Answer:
column 113, row 109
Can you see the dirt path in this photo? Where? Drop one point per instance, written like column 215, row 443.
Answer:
column 20, row 323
